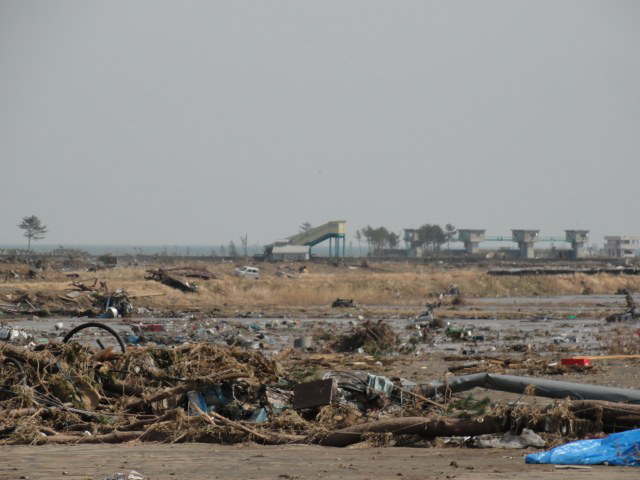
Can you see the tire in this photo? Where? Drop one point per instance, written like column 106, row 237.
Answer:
column 102, row 326
column 18, row 366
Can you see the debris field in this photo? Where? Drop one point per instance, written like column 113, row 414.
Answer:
column 499, row 373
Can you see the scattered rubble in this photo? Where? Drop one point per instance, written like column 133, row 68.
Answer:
column 83, row 300
column 631, row 314
column 191, row 272
column 170, row 280
column 528, row 438
column 206, row 392
column 369, row 337
column 108, row 260
column 344, row 303
column 132, row 475
column 242, row 373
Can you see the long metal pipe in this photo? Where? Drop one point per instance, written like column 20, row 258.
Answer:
column 541, row 387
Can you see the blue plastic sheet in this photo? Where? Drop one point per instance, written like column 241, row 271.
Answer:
column 196, row 398
column 618, row 449
column 259, row 416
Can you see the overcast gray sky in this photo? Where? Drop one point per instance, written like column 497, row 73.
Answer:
column 194, row 122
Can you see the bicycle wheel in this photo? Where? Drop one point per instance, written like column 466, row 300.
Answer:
column 12, row 372
column 95, row 333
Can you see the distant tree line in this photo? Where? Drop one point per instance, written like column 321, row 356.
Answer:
column 428, row 237
column 432, row 237
column 377, row 238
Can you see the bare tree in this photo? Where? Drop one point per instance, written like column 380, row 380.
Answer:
column 393, row 239
column 359, row 239
column 450, row 233
column 33, row 229
column 305, row 227
column 243, row 243
column 233, row 252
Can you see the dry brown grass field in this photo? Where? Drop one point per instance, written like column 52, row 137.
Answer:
column 380, row 284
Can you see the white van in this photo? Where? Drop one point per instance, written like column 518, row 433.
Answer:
column 250, row 272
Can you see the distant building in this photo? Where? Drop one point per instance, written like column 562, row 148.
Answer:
column 525, row 240
column 622, row 246
column 290, row 253
column 412, row 244
column 471, row 239
column 578, row 240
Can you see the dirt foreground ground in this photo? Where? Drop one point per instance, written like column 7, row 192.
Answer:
column 199, row 461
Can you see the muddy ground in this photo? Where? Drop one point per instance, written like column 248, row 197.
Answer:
column 199, row 461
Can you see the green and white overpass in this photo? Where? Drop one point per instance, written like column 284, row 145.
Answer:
column 525, row 240
column 333, row 231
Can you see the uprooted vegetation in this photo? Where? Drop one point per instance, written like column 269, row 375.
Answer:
column 81, row 299
column 371, row 337
column 66, row 393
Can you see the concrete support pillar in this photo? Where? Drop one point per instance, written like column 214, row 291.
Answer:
column 578, row 249
column 472, row 247
column 471, row 239
column 526, row 250
column 578, row 239
column 525, row 240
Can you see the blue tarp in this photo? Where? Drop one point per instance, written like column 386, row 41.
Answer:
column 619, row 449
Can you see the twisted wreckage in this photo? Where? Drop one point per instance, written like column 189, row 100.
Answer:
column 199, row 392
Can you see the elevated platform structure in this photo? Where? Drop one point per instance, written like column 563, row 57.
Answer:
column 471, row 239
column 525, row 240
column 578, row 239
column 334, row 231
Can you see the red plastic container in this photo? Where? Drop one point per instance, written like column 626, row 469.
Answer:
column 585, row 362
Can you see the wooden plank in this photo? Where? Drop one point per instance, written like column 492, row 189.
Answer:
column 607, row 357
